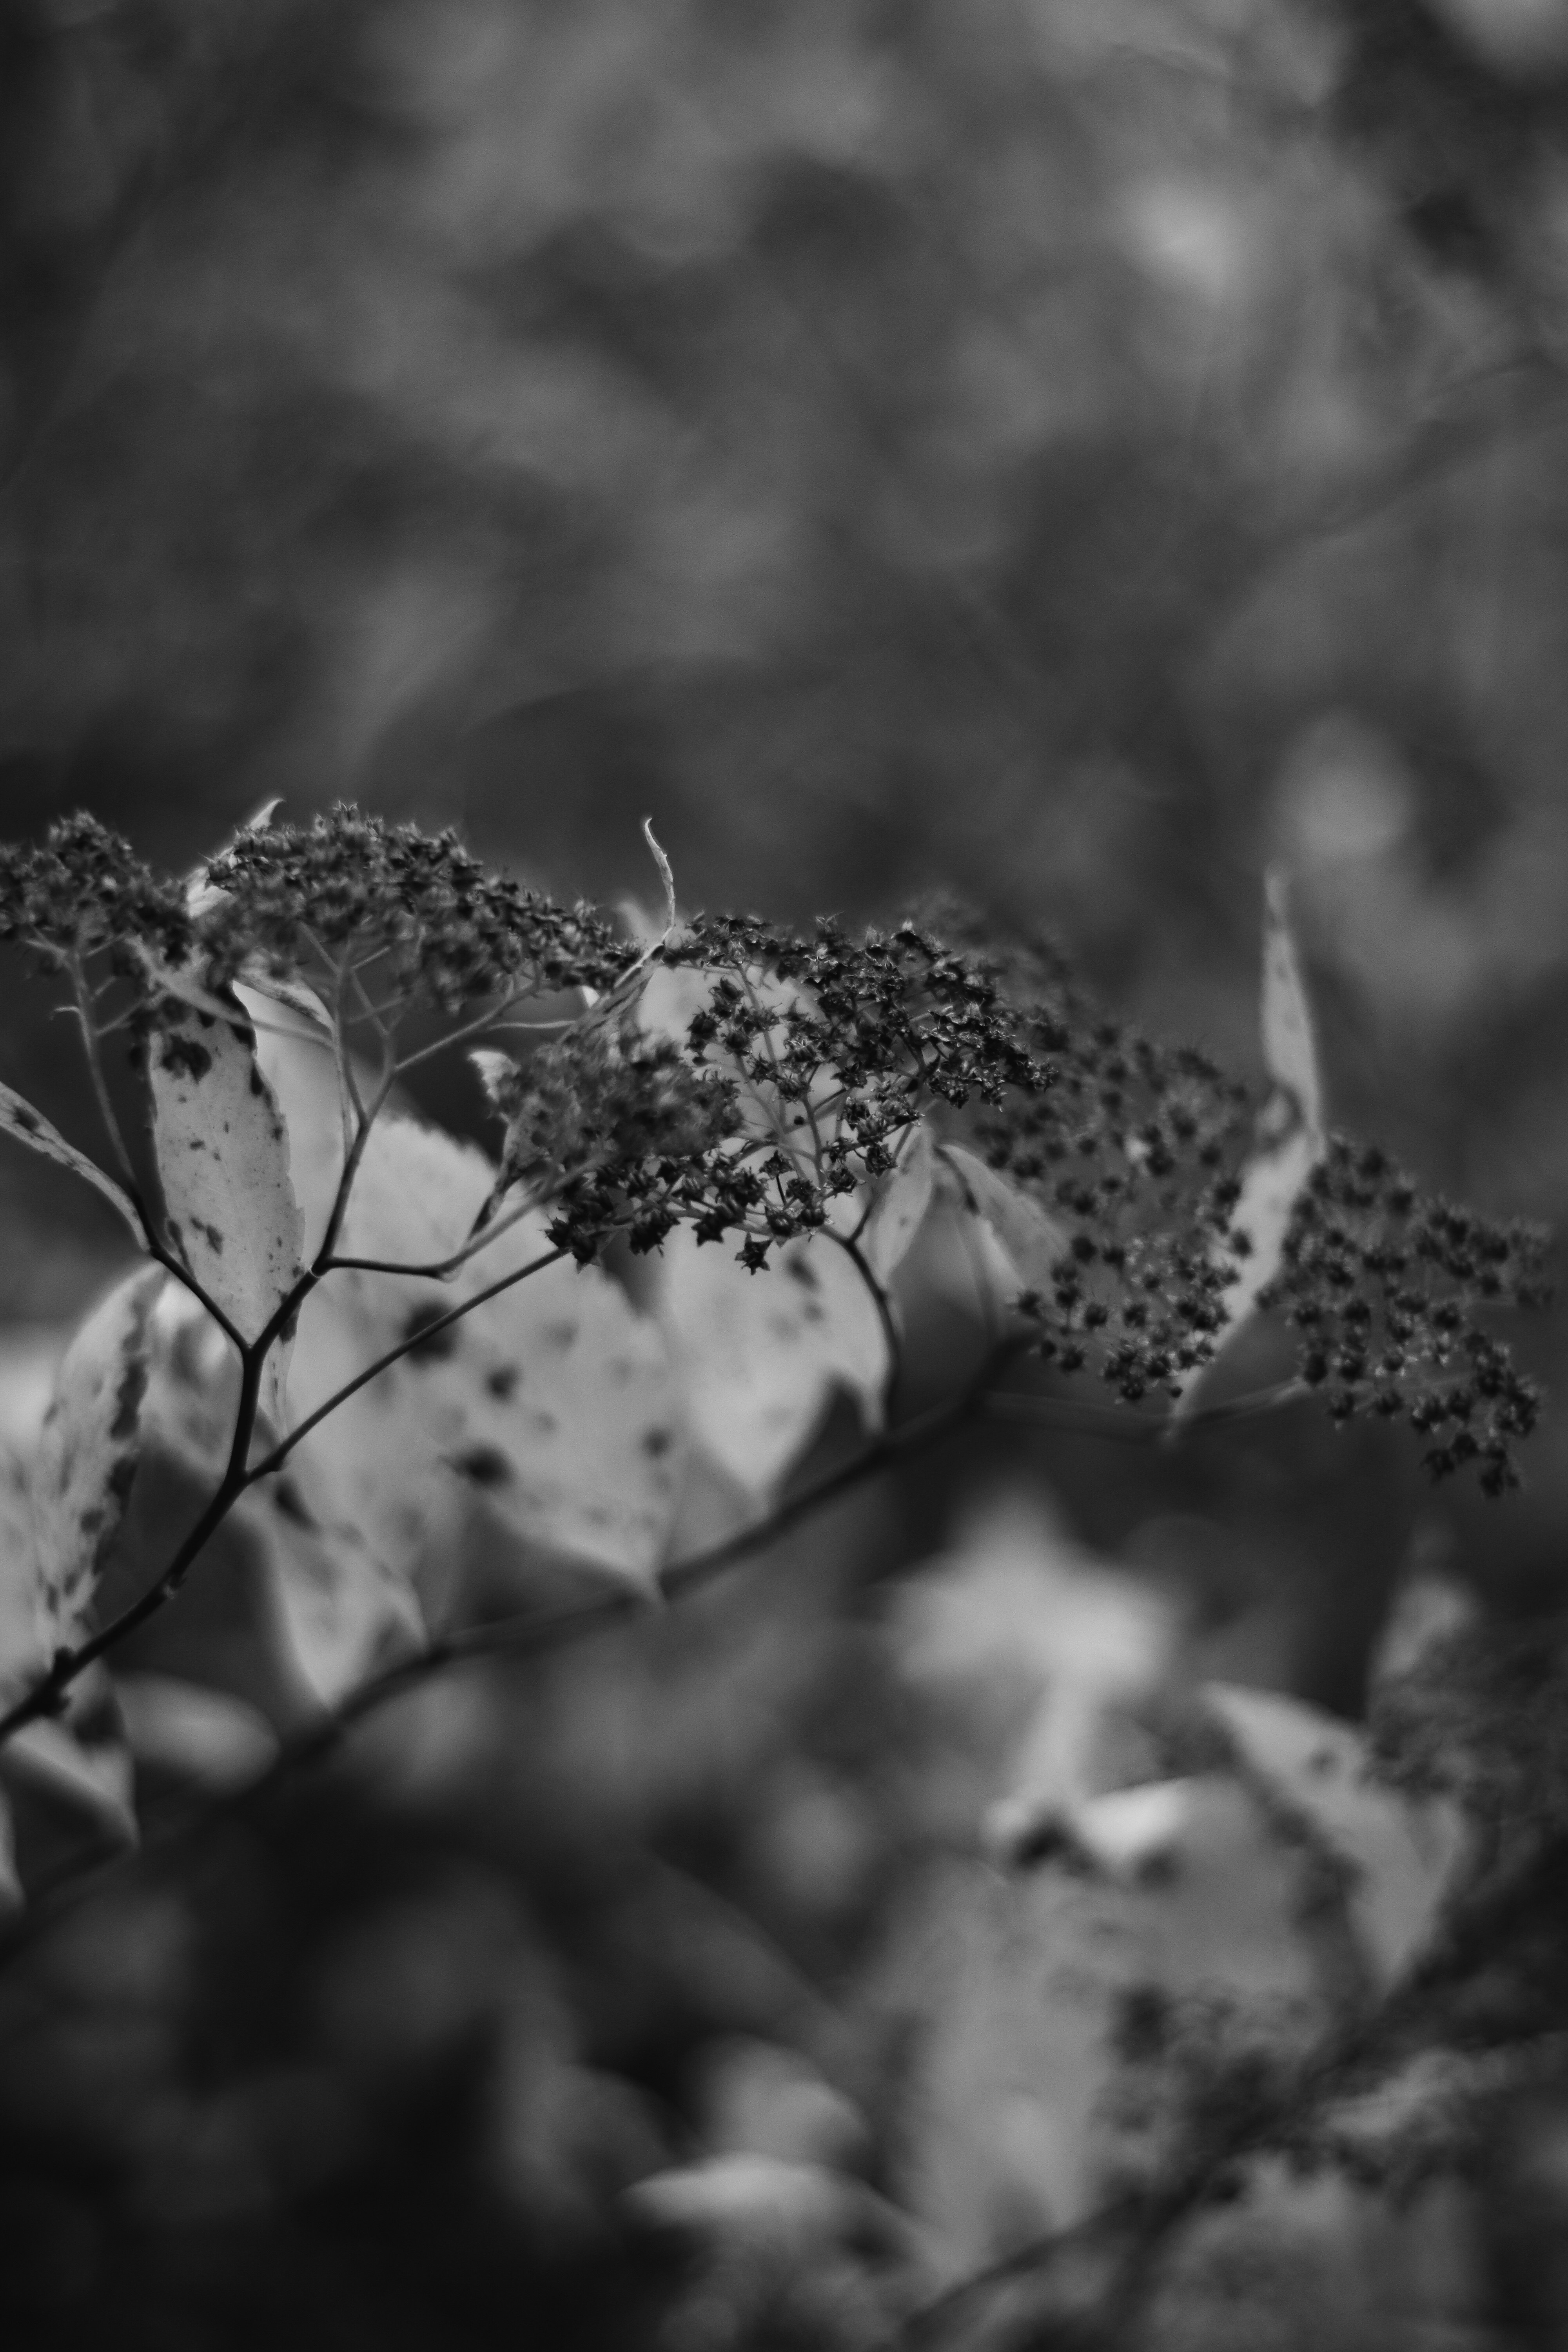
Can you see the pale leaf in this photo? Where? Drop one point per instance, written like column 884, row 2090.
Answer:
column 93, row 1776
column 19, row 1118
column 495, row 1072
column 1031, row 1623
column 1402, row 1854
column 343, row 1610
column 1031, row 1240
column 1129, row 1832
column 202, row 895
column 204, row 1735
column 222, row 1162
column 554, row 1398
column 898, row 1203
column 87, row 1454
column 759, row 1356
column 1272, row 1185
column 1275, row 1178
column 296, row 1052
column 570, row 1413
column 742, row 2194
column 193, row 1384
column 1290, row 1048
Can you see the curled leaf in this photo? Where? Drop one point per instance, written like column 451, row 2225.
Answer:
column 1294, row 1140
column 1400, row 1855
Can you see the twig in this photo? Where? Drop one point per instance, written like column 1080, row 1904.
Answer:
column 1124, row 1428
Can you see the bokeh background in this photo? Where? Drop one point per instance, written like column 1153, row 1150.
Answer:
column 1067, row 452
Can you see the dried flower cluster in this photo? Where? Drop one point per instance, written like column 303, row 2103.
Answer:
column 84, row 893
column 415, row 913
column 747, row 1080
column 623, row 1133
column 1385, row 1287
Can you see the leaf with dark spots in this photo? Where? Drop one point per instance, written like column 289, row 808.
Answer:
column 385, row 1456
column 183, row 1055
column 222, row 1162
column 440, row 1342
column 485, row 1465
column 86, row 1452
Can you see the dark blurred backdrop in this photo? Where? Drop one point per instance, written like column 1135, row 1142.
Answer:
column 1069, row 451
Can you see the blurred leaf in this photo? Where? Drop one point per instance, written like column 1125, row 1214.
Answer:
column 1276, row 1177
column 1031, row 1241
column 768, row 2195
column 1022, row 2105
column 1290, row 1048
column 89, row 1768
column 204, row 1735
column 19, row 1118
column 898, row 1203
column 344, row 1610
column 1021, row 1612
column 1401, row 1856
column 759, row 1356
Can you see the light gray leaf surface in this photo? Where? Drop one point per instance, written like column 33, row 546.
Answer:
column 759, row 1356
column 223, row 1160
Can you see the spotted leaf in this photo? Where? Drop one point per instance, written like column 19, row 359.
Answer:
column 222, row 1162
column 87, row 1454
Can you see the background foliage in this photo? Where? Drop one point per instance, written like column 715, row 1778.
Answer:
column 1070, row 452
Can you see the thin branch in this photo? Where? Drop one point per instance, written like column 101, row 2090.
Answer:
column 440, row 1269
column 419, row 1338
column 478, row 1027
column 90, row 1038
column 68, row 1665
column 891, row 1335
column 1080, row 1417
